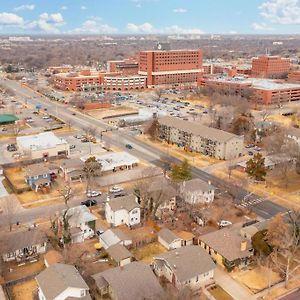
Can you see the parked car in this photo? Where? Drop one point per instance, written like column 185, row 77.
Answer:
column 117, row 195
column 257, row 148
column 84, row 140
column 12, row 147
column 128, row 146
column 72, row 146
column 89, row 202
column 116, row 189
column 78, row 136
column 93, row 194
column 46, row 117
column 250, row 153
column 73, row 114
column 224, row 223
column 249, row 146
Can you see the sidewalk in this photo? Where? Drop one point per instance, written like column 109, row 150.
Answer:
column 3, row 191
column 234, row 289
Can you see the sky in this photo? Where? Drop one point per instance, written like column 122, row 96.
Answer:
column 150, row 17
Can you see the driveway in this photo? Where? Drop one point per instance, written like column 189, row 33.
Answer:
column 233, row 288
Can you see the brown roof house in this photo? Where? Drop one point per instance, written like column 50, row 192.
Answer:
column 188, row 266
column 119, row 254
column 135, row 281
column 62, row 282
column 227, row 247
column 23, row 245
column 72, row 169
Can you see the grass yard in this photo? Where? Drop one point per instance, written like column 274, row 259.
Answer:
column 147, row 252
column 256, row 279
column 219, row 294
column 23, row 290
column 7, row 186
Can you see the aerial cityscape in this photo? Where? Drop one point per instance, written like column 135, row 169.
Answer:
column 150, row 150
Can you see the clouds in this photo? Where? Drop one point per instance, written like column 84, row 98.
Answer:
column 10, row 19
column 25, row 7
column 283, row 12
column 179, row 10
column 94, row 25
column 147, row 28
column 260, row 26
column 48, row 23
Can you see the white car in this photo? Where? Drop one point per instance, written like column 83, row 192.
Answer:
column 224, row 223
column 93, row 194
column 116, row 189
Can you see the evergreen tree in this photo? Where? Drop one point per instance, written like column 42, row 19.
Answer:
column 256, row 168
column 181, row 172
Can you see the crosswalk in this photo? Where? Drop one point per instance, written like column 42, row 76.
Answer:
column 250, row 202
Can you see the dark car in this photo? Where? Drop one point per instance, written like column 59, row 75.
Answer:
column 250, row 153
column 89, row 202
column 73, row 114
column 128, row 146
column 12, row 147
column 119, row 195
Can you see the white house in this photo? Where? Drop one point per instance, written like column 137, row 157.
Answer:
column 82, row 223
column 169, row 239
column 197, row 191
column 188, row 266
column 114, row 236
column 61, row 282
column 42, row 145
column 123, row 210
column 23, row 245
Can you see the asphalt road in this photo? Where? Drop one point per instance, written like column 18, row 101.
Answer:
column 119, row 138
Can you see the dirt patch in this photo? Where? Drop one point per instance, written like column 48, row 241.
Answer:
column 112, row 112
column 24, row 290
column 146, row 253
column 219, row 294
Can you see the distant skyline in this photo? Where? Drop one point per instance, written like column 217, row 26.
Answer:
column 150, row 17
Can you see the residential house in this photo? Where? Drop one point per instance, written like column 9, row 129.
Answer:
column 119, row 254
column 114, row 236
column 72, row 169
column 82, row 223
column 42, row 145
column 61, row 282
column 38, row 176
column 248, row 231
column 188, row 266
column 227, row 247
column 187, row 238
column 199, row 138
column 23, row 245
column 123, row 210
column 169, row 239
column 134, row 281
column 197, row 191
column 161, row 191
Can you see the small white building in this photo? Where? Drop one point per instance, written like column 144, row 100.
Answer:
column 42, row 145
column 197, row 191
column 188, row 266
column 82, row 223
column 61, row 282
column 114, row 236
column 169, row 239
column 123, row 210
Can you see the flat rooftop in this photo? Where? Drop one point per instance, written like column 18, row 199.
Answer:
column 257, row 83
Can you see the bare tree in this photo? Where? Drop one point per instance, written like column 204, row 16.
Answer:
column 283, row 235
column 158, row 92
column 9, row 210
column 91, row 169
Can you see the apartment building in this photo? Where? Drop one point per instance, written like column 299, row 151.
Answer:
column 170, row 67
column 199, row 138
column 260, row 91
column 270, row 66
column 294, row 76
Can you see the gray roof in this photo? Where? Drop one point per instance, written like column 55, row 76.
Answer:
column 118, row 252
column 197, row 129
column 162, row 186
column 22, row 239
column 196, row 185
column 57, row 278
column 187, row 262
column 113, row 236
column 36, row 170
column 134, row 281
column 168, row 235
column 227, row 242
column 73, row 163
column 126, row 202
column 80, row 215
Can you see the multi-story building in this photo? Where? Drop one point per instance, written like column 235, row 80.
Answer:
column 260, row 91
column 170, row 67
column 124, row 83
column 199, row 138
column 125, row 67
column 294, row 76
column 270, row 66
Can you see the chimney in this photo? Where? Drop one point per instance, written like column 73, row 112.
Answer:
column 107, row 198
column 174, row 266
column 243, row 245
